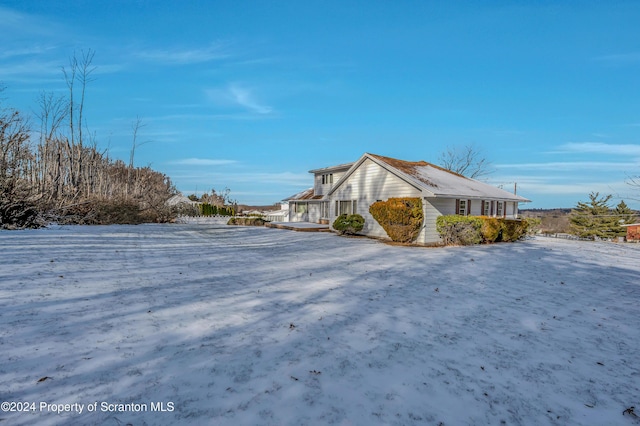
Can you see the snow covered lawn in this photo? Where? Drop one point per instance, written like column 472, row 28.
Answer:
column 206, row 324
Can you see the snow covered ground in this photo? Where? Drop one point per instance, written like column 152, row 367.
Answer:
column 209, row 324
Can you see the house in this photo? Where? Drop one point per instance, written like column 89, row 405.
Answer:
column 281, row 215
column 352, row 188
column 633, row 232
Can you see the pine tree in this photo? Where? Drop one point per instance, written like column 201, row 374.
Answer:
column 595, row 218
column 625, row 214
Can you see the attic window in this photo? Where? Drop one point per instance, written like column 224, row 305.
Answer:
column 328, row 178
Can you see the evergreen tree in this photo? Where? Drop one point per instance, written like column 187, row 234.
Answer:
column 595, row 218
column 625, row 214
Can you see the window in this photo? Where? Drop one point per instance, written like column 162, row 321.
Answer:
column 462, row 207
column 500, row 209
column 486, row 208
column 324, row 212
column 346, row 207
column 301, row 207
column 327, row 179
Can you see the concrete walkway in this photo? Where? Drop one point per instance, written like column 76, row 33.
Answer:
column 299, row 226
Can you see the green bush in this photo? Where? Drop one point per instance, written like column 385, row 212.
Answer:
column 349, row 225
column 491, row 229
column 467, row 230
column 247, row 221
column 459, row 230
column 401, row 218
column 514, row 230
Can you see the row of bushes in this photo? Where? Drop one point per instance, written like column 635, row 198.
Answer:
column 247, row 221
column 206, row 209
column 468, row 230
column 402, row 220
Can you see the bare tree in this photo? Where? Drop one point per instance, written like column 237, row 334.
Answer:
column 86, row 69
column 65, row 176
column 135, row 127
column 466, row 161
column 80, row 70
column 634, row 183
column 17, row 201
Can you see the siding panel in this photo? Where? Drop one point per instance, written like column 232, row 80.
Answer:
column 368, row 184
column 434, row 207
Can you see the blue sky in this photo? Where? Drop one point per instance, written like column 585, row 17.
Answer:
column 252, row 95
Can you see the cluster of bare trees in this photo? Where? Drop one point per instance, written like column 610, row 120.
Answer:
column 62, row 174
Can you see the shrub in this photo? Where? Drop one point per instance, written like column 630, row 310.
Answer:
column 459, row 230
column 247, row 221
column 401, row 218
column 533, row 225
column 101, row 212
column 350, row 225
column 513, row 230
column 491, row 229
column 466, row 230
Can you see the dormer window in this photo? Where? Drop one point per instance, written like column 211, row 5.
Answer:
column 327, row 178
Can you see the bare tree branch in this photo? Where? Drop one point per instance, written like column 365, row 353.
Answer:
column 466, row 161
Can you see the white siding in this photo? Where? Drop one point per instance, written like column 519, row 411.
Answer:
column 368, row 184
column 434, row 207
column 314, row 213
column 319, row 188
column 476, row 207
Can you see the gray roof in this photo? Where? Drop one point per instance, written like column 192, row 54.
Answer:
column 436, row 181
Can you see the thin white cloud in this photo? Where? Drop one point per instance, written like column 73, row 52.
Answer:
column 282, row 178
column 237, row 95
column 254, row 178
column 25, row 51
column 178, row 56
column 620, row 58
column 20, row 25
column 203, row 162
column 601, row 148
column 571, row 188
column 559, row 166
column 244, row 97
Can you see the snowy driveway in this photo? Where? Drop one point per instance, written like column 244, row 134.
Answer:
column 198, row 324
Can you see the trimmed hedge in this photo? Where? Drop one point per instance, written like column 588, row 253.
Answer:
column 467, row 230
column 349, row 225
column 401, row 218
column 459, row 230
column 247, row 221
